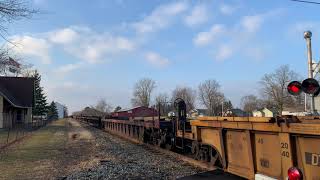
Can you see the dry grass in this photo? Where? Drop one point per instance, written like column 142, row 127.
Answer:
column 35, row 155
column 53, row 151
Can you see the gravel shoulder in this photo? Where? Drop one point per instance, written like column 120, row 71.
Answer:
column 66, row 149
column 121, row 159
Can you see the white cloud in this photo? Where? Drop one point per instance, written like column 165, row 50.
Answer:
column 238, row 37
column 252, row 23
column 160, row 18
column 64, row 69
column 206, row 37
column 156, row 60
column 227, row 9
column 80, row 42
column 88, row 45
column 199, row 15
column 224, row 52
column 31, row 46
column 95, row 48
column 63, row 36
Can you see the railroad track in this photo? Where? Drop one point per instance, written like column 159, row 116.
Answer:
column 161, row 151
column 209, row 170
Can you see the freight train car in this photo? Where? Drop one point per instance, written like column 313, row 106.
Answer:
column 285, row 147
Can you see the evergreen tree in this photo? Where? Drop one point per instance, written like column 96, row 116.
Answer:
column 118, row 108
column 227, row 105
column 65, row 111
column 40, row 105
column 53, row 112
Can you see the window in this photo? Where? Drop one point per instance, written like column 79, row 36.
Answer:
column 19, row 116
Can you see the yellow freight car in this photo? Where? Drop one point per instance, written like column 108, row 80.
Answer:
column 259, row 148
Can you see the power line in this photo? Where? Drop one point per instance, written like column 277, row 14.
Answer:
column 310, row 2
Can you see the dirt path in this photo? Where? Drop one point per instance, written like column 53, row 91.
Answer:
column 51, row 152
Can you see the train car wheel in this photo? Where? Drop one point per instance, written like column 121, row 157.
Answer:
column 195, row 150
column 215, row 158
column 162, row 140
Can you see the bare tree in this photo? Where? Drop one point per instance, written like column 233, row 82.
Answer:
column 187, row 94
column 12, row 10
column 103, row 106
column 142, row 92
column 274, row 87
column 250, row 103
column 162, row 102
column 14, row 66
column 211, row 97
column 162, row 98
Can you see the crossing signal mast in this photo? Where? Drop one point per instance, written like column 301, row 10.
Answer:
column 309, row 86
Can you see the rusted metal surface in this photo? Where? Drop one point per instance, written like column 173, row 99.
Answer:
column 267, row 146
column 244, row 146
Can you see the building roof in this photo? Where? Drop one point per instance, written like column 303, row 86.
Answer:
column 128, row 109
column 18, row 91
column 294, row 109
column 200, row 111
column 90, row 112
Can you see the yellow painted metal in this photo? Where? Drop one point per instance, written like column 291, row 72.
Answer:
column 267, row 151
column 187, row 135
column 285, row 145
column 239, row 154
column 228, row 124
column 273, row 127
column 302, row 128
column 214, row 138
column 286, row 153
column 308, row 153
column 245, row 125
column 219, row 118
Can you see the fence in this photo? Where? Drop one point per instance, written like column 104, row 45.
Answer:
column 14, row 129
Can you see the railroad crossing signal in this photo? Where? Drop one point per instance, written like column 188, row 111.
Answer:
column 294, row 88
column 308, row 86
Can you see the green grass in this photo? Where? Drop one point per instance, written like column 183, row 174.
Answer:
column 32, row 157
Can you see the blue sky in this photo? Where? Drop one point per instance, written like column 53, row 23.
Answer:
column 86, row 50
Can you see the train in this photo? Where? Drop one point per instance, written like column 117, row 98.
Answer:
column 268, row 148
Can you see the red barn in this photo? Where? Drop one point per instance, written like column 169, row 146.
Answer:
column 139, row 111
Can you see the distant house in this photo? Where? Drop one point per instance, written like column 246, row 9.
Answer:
column 235, row 113
column 60, row 109
column 90, row 112
column 139, row 111
column 198, row 112
column 295, row 111
column 16, row 100
column 265, row 112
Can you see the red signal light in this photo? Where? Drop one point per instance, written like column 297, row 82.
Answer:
column 294, row 174
column 294, row 88
column 310, row 86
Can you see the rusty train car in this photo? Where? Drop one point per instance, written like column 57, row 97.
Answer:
column 285, row 147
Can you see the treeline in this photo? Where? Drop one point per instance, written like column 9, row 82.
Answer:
column 272, row 94
column 208, row 94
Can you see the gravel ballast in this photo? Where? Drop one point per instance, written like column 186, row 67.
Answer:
column 122, row 159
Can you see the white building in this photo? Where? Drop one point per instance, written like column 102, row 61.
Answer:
column 263, row 113
column 60, row 109
column 317, row 104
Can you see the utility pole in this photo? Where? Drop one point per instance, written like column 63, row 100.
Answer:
column 307, row 36
column 222, row 108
